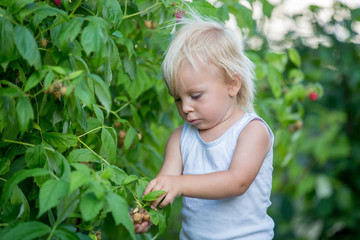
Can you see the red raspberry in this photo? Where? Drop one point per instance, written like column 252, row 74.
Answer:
column 57, row 2
column 313, row 96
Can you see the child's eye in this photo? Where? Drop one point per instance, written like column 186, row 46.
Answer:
column 196, row 96
column 177, row 99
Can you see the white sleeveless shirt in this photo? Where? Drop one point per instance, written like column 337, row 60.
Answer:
column 241, row 217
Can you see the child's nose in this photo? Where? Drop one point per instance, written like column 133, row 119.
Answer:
column 186, row 107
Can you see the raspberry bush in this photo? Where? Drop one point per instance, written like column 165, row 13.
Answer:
column 84, row 115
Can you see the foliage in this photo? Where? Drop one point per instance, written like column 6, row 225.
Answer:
column 84, row 118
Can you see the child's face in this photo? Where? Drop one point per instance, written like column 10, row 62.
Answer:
column 204, row 97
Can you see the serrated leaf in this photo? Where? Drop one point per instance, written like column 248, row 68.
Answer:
column 7, row 45
column 93, row 37
column 56, row 139
column 25, row 231
column 108, row 145
column 84, row 94
column 35, row 157
column 99, row 114
column 119, row 175
column 152, row 196
column 78, row 179
column 24, row 112
column 70, row 32
column 119, row 209
column 129, row 179
column 83, row 155
column 26, row 45
column 90, row 206
column 34, row 80
column 112, row 12
column 50, row 193
column 18, row 177
column 44, row 10
column 140, row 187
column 102, row 91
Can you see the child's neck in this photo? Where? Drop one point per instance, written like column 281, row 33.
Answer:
column 211, row 134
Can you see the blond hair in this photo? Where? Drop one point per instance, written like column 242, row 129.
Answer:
column 204, row 42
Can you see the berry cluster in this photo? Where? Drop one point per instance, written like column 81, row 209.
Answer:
column 139, row 215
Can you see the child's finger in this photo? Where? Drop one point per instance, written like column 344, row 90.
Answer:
column 158, row 200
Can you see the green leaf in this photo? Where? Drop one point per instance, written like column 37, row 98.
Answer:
column 274, row 78
column 18, row 177
column 35, row 156
column 90, row 206
column 204, row 7
column 84, row 94
column 24, row 112
column 15, row 6
column 70, row 32
column 34, row 79
column 50, row 193
column 243, row 16
column 152, row 196
column 83, row 155
column 102, row 91
column 119, row 175
column 60, row 139
column 140, row 187
column 44, row 10
column 294, row 56
column 63, row 233
column 7, row 45
column 99, row 114
column 267, row 8
column 108, row 145
column 78, row 179
column 26, row 45
column 130, row 137
column 119, row 209
column 112, row 12
column 140, row 85
column 4, row 165
column 129, row 179
column 94, row 35
column 25, row 231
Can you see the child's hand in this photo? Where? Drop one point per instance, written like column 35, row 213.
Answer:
column 141, row 220
column 171, row 184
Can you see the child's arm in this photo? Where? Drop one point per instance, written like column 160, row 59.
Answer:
column 252, row 146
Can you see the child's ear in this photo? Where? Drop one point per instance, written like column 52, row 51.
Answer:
column 234, row 85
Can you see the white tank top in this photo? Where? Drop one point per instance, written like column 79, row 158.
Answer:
column 242, row 217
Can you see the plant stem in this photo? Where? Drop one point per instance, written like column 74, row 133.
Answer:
column 92, row 130
column 145, row 10
column 93, row 152
column 3, row 179
column 76, row 7
column 26, row 144
column 47, row 29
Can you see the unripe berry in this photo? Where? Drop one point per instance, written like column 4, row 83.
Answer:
column 146, row 217
column 148, row 24
column 43, row 42
column 137, row 217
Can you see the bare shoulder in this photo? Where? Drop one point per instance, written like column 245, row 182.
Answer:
column 256, row 131
column 176, row 134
